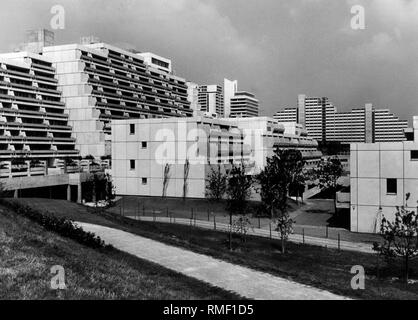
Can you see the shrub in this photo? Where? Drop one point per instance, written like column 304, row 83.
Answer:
column 62, row 226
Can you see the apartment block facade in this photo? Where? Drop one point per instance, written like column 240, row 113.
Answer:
column 381, row 175
column 325, row 123
column 33, row 121
column 264, row 135
column 243, row 105
column 211, row 99
column 101, row 83
column 149, row 155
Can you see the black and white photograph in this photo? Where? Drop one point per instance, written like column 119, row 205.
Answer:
column 202, row 157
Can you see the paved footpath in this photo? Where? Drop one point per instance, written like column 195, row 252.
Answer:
column 243, row 281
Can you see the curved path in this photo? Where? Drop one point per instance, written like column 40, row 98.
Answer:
column 246, row 282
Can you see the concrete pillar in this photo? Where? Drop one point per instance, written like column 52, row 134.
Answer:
column 69, row 192
column 79, row 193
column 28, row 164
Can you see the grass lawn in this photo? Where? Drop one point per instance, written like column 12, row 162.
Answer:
column 27, row 253
column 317, row 266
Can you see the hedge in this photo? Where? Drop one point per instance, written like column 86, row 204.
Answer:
column 62, row 226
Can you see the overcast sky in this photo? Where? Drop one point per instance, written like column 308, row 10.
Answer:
column 274, row 48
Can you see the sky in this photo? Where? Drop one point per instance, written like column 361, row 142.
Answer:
column 276, row 49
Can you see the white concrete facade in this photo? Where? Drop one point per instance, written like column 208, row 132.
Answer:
column 264, row 135
column 230, row 88
column 381, row 176
column 157, row 61
column 100, row 82
column 211, row 99
column 143, row 149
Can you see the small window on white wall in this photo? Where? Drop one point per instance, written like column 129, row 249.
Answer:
column 132, row 128
column 144, row 181
column 144, row 144
column 391, row 186
column 132, row 164
column 414, row 154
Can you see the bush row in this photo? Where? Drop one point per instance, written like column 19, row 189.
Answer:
column 62, row 226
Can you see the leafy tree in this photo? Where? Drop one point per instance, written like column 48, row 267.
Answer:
column 283, row 169
column 400, row 237
column 241, row 227
column 216, row 184
column 238, row 190
column 327, row 173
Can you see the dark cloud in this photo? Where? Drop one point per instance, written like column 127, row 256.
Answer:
column 275, row 48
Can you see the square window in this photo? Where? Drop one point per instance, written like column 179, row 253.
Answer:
column 132, row 163
column 144, row 144
column 144, row 181
column 391, row 186
column 131, row 128
column 414, row 154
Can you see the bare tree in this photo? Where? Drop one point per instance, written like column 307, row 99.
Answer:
column 166, row 179
column 185, row 178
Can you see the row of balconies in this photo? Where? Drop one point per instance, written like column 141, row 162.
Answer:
column 14, row 111
column 135, row 94
column 30, row 79
column 35, row 126
column 141, row 103
column 30, row 75
column 6, row 137
column 9, row 98
column 8, row 154
column 37, row 104
column 106, row 111
column 147, row 71
column 30, row 88
column 148, row 82
column 111, row 73
column 40, row 168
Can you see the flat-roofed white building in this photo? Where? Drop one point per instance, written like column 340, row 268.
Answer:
column 265, row 134
column 149, row 155
column 381, row 175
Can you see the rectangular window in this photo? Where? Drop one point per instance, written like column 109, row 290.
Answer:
column 414, row 154
column 132, row 128
column 144, row 181
column 144, row 144
column 391, row 186
column 132, row 162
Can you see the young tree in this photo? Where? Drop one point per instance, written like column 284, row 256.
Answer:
column 400, row 237
column 238, row 191
column 283, row 169
column 327, row 173
column 186, row 170
column 216, row 184
column 166, row 179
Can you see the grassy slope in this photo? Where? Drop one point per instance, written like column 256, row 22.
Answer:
column 317, row 266
column 27, row 252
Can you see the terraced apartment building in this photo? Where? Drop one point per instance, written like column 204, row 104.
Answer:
column 33, row 121
column 100, row 83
